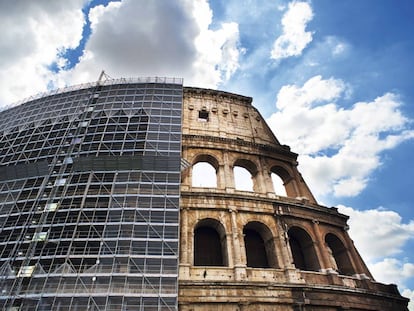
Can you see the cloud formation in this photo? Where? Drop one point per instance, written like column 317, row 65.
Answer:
column 294, row 37
column 380, row 236
column 35, row 35
column 384, row 227
column 158, row 38
column 128, row 39
column 339, row 148
column 409, row 294
column 392, row 270
column 218, row 51
column 149, row 40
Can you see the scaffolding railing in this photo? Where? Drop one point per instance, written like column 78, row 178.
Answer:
column 76, row 87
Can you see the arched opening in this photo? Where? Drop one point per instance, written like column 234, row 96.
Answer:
column 210, row 244
column 204, row 175
column 244, row 172
column 278, row 185
column 339, row 255
column 204, row 172
column 280, row 178
column 260, row 249
column 242, row 179
column 303, row 251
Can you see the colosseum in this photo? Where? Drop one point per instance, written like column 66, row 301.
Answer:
column 142, row 194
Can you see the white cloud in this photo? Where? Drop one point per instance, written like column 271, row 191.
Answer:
column 135, row 38
column 34, row 34
column 392, row 271
column 338, row 148
column 382, row 226
column 380, row 235
column 158, row 38
column 409, row 294
column 128, row 39
column 314, row 90
column 294, row 37
column 217, row 50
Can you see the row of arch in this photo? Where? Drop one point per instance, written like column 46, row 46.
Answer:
column 205, row 171
column 210, row 247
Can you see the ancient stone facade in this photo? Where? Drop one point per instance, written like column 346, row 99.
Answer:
column 254, row 249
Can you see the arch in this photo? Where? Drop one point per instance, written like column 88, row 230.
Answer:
column 247, row 164
column 243, row 180
column 282, row 173
column 259, row 245
column 303, row 250
column 207, row 158
column 204, row 171
column 280, row 178
column 244, row 172
column 278, row 185
column 210, row 247
column 339, row 255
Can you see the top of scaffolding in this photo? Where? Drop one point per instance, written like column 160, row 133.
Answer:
column 103, row 79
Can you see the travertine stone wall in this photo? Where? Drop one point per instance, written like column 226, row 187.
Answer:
column 225, row 130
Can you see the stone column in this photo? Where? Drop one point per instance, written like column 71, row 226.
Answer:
column 185, row 246
column 321, row 252
column 263, row 180
column 283, row 239
column 291, row 273
column 186, row 175
column 227, row 174
column 239, row 265
column 221, row 177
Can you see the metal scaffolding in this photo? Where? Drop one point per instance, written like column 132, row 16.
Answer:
column 89, row 198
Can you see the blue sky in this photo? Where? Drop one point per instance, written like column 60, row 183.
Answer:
column 332, row 78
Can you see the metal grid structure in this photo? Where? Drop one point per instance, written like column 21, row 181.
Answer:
column 89, row 198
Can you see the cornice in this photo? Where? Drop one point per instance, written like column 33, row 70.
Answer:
column 282, row 149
